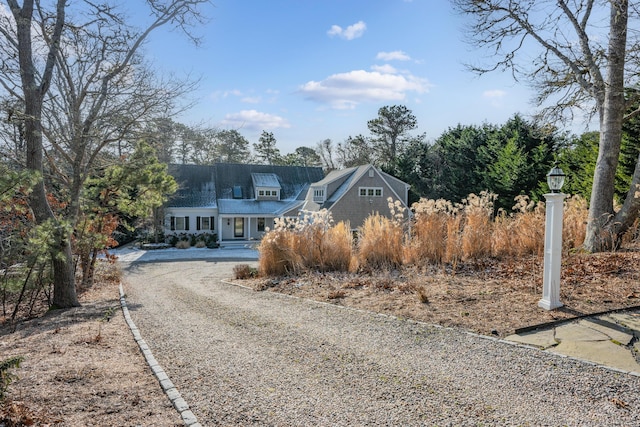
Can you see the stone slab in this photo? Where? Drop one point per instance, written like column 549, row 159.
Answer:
column 602, row 352
column 628, row 320
column 542, row 339
column 609, row 328
column 577, row 332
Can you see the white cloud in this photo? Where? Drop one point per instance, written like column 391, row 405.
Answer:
column 351, row 32
column 252, row 99
column 225, row 94
column 385, row 69
column 492, row 94
column 396, row 55
column 346, row 90
column 254, row 120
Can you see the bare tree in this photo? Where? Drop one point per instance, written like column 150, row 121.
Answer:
column 583, row 58
column 39, row 46
column 355, row 151
column 325, row 151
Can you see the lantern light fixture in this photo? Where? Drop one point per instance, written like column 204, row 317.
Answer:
column 555, row 178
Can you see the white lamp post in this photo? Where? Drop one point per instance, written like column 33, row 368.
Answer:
column 553, row 240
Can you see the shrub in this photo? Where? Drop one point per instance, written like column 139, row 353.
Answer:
column 244, row 271
column 212, row 240
column 307, row 242
column 574, row 228
column 338, row 248
column 183, row 244
column 6, row 377
column 521, row 232
column 277, row 256
column 477, row 226
column 380, row 243
column 428, row 241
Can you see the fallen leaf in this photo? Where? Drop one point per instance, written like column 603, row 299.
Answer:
column 620, row 403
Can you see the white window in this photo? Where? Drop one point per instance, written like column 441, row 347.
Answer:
column 261, row 224
column 260, row 192
column 180, row 223
column 205, row 223
column 370, row 191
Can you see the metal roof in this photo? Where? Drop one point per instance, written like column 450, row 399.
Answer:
column 265, row 180
column 207, row 185
column 256, row 207
column 196, row 187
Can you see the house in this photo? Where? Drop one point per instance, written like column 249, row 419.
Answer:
column 240, row 202
column 235, row 201
column 355, row 193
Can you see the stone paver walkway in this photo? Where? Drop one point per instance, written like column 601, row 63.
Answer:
column 611, row 340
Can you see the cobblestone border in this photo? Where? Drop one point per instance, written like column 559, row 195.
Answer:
column 165, row 382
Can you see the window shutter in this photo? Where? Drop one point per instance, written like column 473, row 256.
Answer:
column 173, row 223
column 197, row 223
column 212, row 222
column 186, row 223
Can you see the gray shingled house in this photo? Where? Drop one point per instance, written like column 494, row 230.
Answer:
column 235, row 201
column 240, row 202
column 355, row 193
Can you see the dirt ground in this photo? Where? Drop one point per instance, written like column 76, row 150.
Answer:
column 492, row 298
column 82, row 366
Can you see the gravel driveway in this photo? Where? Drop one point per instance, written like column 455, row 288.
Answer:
column 241, row 357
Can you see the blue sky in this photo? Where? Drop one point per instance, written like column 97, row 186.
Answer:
column 308, row 70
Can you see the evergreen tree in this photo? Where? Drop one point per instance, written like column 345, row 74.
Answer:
column 266, row 151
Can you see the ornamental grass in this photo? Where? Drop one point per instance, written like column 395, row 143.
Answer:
column 438, row 232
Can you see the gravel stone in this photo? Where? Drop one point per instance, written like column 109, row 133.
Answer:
column 240, row 357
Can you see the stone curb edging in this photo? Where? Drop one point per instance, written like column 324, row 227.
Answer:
column 168, row 387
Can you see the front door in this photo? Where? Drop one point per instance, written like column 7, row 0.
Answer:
column 238, row 227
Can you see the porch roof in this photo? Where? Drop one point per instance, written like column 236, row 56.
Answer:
column 256, row 207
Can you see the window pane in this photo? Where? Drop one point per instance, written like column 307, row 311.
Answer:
column 238, row 227
column 179, row 223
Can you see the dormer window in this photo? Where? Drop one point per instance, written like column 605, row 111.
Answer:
column 318, row 195
column 266, row 186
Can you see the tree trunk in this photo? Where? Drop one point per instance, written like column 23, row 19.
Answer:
column 630, row 210
column 62, row 261
column 602, row 231
column 64, row 291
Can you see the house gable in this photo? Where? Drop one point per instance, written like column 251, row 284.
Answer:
column 357, row 193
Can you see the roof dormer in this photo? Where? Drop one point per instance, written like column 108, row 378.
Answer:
column 266, row 186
